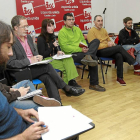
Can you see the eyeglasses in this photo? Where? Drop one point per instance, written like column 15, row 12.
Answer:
column 71, row 19
column 25, row 27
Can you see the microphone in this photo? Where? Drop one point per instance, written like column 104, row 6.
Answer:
column 54, row 37
column 104, row 11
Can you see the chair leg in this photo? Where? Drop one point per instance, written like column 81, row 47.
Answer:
column 84, row 66
column 36, row 86
column 107, row 67
column 61, row 74
column 102, row 71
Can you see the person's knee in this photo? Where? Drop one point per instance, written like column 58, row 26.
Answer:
column 118, row 56
column 94, row 42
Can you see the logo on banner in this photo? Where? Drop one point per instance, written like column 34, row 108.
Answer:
column 69, row 1
column 87, row 12
column 28, row 9
column 54, row 23
column 87, row 26
column 49, row 4
column 31, row 29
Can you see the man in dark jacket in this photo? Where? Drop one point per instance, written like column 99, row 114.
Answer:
column 129, row 40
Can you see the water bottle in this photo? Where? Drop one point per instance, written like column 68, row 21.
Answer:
column 33, row 36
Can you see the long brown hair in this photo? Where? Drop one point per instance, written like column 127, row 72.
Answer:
column 48, row 37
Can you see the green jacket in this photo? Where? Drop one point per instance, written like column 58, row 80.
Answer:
column 69, row 39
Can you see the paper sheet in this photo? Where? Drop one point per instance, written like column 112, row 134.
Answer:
column 63, row 121
column 61, row 56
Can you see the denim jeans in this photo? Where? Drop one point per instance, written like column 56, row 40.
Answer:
column 137, row 50
column 25, row 104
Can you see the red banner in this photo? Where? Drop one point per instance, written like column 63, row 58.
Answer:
column 37, row 10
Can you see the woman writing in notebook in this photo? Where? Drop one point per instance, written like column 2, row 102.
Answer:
column 48, row 46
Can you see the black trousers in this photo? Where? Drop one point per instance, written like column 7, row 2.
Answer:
column 50, row 78
column 120, row 55
column 93, row 71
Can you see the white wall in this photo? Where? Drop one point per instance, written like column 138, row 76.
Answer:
column 7, row 10
column 117, row 10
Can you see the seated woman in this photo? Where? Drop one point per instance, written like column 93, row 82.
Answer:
column 48, row 46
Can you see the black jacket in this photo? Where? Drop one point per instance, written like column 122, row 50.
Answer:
column 125, row 39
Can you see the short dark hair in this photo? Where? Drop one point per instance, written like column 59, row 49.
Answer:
column 5, row 31
column 16, row 20
column 97, row 16
column 67, row 14
column 125, row 20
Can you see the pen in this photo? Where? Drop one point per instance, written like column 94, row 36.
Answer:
column 41, row 125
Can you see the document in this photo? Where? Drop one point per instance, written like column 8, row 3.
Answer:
column 42, row 62
column 31, row 94
column 63, row 122
column 82, row 45
column 61, row 56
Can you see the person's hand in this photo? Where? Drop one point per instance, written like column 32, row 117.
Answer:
column 84, row 49
column 55, row 43
column 28, row 113
column 39, row 57
column 23, row 91
column 34, row 131
column 34, row 59
column 110, row 44
column 60, row 53
column 13, row 89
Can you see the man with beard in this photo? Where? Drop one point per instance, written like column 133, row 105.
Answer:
column 108, row 49
column 129, row 40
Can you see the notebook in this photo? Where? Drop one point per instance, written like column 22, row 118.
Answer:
column 42, row 62
column 31, row 94
column 64, row 122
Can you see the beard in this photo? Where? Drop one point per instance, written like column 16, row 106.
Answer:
column 129, row 27
column 3, row 61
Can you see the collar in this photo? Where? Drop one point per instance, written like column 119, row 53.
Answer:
column 20, row 39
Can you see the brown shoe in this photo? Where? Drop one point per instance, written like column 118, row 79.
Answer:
column 45, row 101
column 97, row 88
column 131, row 52
column 87, row 60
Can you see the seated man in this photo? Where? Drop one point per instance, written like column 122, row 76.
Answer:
column 108, row 48
column 69, row 38
column 24, row 54
column 129, row 40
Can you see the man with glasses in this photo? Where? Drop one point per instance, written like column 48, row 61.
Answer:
column 24, row 54
column 69, row 38
column 129, row 40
